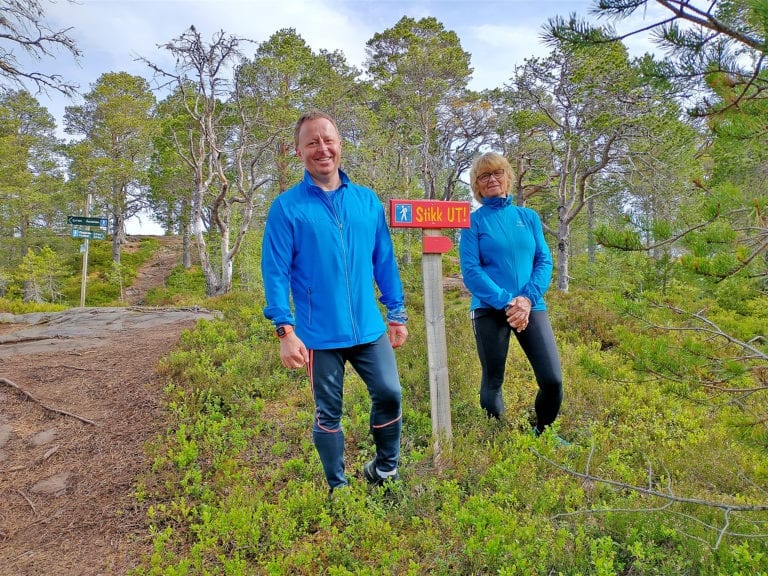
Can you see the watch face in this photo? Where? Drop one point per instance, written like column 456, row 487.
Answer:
column 280, row 331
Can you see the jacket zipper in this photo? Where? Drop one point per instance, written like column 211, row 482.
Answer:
column 340, row 226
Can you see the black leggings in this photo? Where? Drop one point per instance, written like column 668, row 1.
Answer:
column 537, row 342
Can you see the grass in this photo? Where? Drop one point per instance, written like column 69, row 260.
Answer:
column 665, row 409
column 665, row 474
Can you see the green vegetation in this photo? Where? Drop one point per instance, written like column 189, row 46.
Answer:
column 19, row 307
column 103, row 284
column 63, row 276
column 664, row 475
column 183, row 287
column 663, row 344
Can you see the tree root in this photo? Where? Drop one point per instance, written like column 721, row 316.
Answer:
column 49, row 408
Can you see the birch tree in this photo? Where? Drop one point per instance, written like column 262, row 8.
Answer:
column 223, row 158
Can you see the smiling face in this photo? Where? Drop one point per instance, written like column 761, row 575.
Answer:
column 493, row 183
column 319, row 147
column 491, row 176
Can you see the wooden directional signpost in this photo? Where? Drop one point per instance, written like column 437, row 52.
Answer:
column 431, row 216
column 83, row 227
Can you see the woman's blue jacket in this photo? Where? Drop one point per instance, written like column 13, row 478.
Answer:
column 330, row 249
column 503, row 254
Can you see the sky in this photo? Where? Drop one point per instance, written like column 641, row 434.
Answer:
column 114, row 34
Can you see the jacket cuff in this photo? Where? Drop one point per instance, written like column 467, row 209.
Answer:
column 397, row 316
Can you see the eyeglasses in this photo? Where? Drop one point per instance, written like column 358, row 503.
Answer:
column 486, row 176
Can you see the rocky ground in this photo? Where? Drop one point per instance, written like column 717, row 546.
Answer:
column 79, row 399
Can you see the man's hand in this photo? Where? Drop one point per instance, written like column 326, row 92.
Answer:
column 293, row 353
column 398, row 334
column 518, row 312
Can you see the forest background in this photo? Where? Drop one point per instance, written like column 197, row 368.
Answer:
column 650, row 177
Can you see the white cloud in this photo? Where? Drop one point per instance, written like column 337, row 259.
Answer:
column 503, row 37
column 114, row 33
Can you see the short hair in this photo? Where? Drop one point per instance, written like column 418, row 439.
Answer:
column 311, row 115
column 489, row 162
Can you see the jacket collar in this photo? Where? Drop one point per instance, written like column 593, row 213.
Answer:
column 312, row 186
column 497, row 201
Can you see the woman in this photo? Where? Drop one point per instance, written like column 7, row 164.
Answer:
column 507, row 266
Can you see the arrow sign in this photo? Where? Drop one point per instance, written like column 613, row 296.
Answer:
column 87, row 221
column 436, row 244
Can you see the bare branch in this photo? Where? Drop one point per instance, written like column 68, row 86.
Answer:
column 717, row 331
column 22, row 28
column 668, row 496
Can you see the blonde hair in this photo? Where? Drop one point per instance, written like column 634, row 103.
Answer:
column 311, row 115
column 489, row 162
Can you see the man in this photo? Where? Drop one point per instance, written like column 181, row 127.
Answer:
column 326, row 242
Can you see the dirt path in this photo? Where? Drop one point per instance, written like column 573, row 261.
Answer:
column 79, row 398
column 156, row 271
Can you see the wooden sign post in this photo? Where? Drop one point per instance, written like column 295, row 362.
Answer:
column 87, row 234
column 430, row 216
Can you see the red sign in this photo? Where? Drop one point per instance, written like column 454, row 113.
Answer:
column 428, row 214
column 436, row 244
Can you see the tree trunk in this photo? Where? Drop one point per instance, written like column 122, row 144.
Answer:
column 186, row 234
column 186, row 248
column 211, row 281
column 563, row 240
column 591, row 245
column 225, row 282
column 118, row 236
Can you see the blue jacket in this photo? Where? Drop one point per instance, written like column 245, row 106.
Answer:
column 330, row 248
column 503, row 254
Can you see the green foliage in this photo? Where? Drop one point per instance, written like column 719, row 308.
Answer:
column 236, row 486
column 182, row 288
column 104, row 282
column 117, row 275
column 34, row 199
column 118, row 108
column 622, row 239
column 420, row 74
column 20, row 307
column 40, row 273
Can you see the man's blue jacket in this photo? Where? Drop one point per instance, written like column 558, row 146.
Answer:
column 330, row 249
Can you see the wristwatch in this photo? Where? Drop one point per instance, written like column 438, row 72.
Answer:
column 283, row 331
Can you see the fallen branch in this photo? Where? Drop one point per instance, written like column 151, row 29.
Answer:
column 28, row 501
column 49, row 408
column 668, row 496
column 69, row 366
